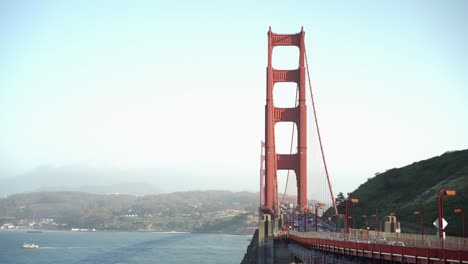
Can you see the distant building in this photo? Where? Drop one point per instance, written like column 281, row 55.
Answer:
column 7, row 226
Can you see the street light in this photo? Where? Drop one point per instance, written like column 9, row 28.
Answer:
column 287, row 220
column 462, row 212
column 442, row 193
column 365, row 221
column 296, row 218
column 353, row 200
column 307, row 209
column 317, row 206
column 351, row 217
column 376, row 215
column 421, row 222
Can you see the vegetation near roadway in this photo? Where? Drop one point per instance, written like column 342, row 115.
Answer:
column 415, row 187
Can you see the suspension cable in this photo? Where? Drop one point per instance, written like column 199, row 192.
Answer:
column 318, row 134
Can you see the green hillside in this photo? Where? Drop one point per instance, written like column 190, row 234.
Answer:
column 415, row 187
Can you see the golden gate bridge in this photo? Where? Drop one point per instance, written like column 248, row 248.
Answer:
column 283, row 236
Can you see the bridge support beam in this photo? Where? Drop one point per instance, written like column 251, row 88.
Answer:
column 271, row 250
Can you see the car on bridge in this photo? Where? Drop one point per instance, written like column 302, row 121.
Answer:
column 380, row 240
column 396, row 243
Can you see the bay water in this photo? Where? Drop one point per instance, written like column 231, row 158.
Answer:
column 121, row 247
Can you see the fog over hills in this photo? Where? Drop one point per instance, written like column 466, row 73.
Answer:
column 108, row 180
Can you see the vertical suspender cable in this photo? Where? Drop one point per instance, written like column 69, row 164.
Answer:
column 318, row 134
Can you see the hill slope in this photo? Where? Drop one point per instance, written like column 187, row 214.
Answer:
column 415, row 187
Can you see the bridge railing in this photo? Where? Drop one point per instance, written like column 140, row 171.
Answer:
column 401, row 239
column 325, row 242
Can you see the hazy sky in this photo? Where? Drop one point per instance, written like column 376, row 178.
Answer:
column 181, row 84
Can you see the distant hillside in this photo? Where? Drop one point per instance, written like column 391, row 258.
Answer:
column 202, row 211
column 415, row 187
column 105, row 180
column 135, row 188
column 80, row 178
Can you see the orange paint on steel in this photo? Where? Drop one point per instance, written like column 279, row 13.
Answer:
column 273, row 161
column 262, row 175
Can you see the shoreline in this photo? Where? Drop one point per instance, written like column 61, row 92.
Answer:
column 118, row 231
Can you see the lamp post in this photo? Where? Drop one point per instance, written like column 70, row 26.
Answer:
column 421, row 222
column 305, row 220
column 296, row 218
column 317, row 206
column 376, row 215
column 353, row 200
column 442, row 193
column 305, row 217
column 351, row 217
column 365, row 220
column 462, row 212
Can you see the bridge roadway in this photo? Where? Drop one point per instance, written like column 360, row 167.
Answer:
column 272, row 245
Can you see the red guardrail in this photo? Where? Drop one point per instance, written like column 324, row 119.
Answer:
column 371, row 250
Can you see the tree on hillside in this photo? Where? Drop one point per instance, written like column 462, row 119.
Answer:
column 96, row 217
column 340, row 198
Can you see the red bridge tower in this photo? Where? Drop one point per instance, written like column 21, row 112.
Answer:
column 298, row 115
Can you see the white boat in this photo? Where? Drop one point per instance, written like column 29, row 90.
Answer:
column 30, row 246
